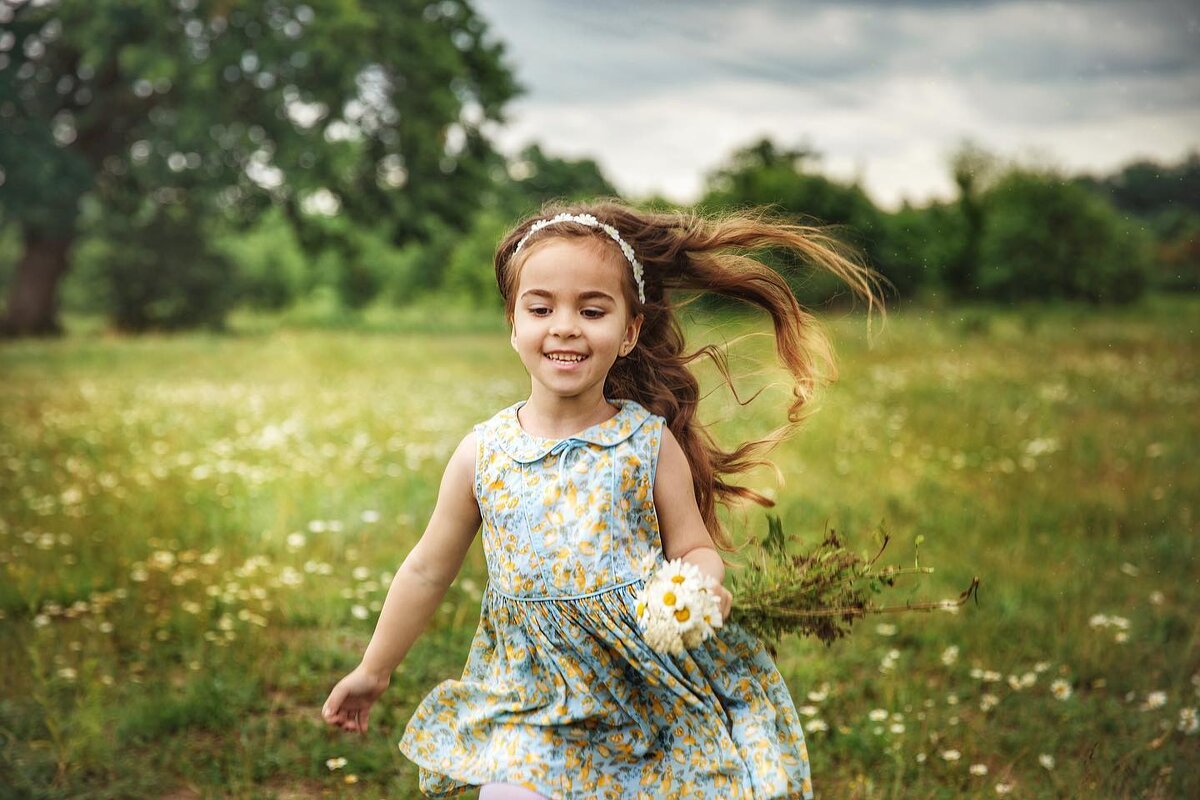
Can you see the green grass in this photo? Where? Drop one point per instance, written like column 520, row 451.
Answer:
column 188, row 525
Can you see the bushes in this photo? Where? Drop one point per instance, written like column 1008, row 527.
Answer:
column 1044, row 237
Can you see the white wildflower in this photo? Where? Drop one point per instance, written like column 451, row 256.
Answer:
column 815, row 725
column 979, row 769
column 335, row 763
column 885, row 629
column 1188, row 722
column 1003, row 788
column 950, row 655
column 1061, row 689
column 1046, row 760
column 1154, row 700
column 648, row 564
column 877, row 715
column 951, row 755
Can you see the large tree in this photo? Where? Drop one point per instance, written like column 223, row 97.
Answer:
column 375, row 108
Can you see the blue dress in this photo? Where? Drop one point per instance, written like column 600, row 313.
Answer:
column 560, row 692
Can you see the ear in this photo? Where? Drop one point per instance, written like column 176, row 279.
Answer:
column 632, row 331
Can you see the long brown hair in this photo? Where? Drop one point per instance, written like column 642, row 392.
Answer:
column 685, row 251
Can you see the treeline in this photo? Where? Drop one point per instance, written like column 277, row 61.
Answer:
column 1014, row 233
column 163, row 164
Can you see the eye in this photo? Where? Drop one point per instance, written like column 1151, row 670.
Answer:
column 593, row 313
column 537, row 310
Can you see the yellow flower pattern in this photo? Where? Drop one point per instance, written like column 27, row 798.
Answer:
column 560, row 692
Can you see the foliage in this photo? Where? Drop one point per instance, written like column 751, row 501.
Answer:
column 818, row 593
column 535, row 177
column 763, row 174
column 974, row 170
column 195, row 290
column 919, row 245
column 1147, row 187
column 378, row 107
column 459, row 265
column 1177, row 265
column 470, row 275
column 272, row 270
column 1044, row 236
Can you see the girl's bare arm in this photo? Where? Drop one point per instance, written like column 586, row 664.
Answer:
column 681, row 525
column 430, row 567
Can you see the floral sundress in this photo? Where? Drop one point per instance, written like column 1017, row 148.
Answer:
column 560, row 692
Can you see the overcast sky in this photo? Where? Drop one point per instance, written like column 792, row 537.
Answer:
column 660, row 92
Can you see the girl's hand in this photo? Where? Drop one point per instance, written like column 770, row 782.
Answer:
column 349, row 704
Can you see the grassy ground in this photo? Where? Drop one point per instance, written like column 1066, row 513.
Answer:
column 196, row 533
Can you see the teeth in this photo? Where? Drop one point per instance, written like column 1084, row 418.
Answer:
column 569, row 359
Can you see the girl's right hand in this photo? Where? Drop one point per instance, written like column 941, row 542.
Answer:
column 349, row 704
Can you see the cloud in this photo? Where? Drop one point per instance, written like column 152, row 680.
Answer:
column 660, row 93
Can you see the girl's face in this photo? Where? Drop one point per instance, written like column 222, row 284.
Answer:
column 571, row 320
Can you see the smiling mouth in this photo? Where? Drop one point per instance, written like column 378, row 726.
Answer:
column 563, row 359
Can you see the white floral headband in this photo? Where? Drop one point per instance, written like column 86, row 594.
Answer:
column 592, row 222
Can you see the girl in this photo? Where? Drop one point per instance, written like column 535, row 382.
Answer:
column 603, row 465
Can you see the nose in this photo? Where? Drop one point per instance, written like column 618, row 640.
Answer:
column 564, row 324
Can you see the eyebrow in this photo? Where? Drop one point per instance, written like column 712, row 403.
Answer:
column 589, row 295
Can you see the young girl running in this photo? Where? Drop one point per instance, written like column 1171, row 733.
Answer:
column 603, row 465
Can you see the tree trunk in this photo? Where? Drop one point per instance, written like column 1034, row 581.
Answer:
column 33, row 295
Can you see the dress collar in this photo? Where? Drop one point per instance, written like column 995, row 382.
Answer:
column 525, row 447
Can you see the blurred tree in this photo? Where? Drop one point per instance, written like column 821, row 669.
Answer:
column 920, row 245
column 763, row 174
column 518, row 188
column 534, row 177
column 974, row 170
column 372, row 109
column 1145, row 187
column 1047, row 237
column 1167, row 198
column 272, row 269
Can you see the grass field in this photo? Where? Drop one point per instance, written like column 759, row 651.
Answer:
column 196, row 534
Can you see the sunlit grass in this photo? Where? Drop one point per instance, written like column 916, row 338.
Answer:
column 196, row 533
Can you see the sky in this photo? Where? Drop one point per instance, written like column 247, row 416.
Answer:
column 660, row 92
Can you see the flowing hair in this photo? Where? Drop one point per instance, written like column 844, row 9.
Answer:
column 686, row 251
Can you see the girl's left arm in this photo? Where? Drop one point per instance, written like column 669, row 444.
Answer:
column 684, row 534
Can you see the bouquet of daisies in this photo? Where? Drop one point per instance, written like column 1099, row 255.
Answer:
column 677, row 607
column 820, row 593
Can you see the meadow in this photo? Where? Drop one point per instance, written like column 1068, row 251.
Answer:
column 197, row 532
